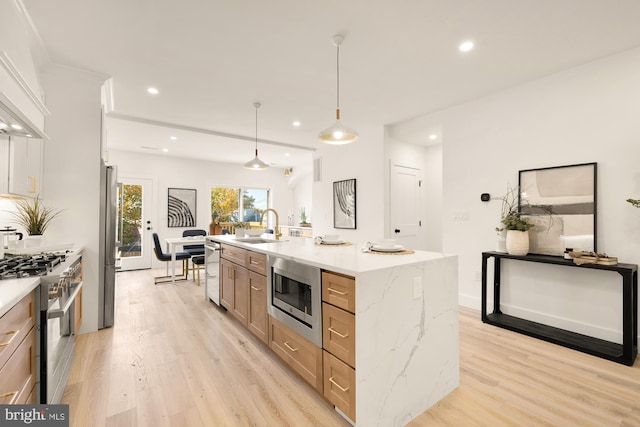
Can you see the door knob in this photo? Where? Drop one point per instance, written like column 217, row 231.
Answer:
column 148, row 228
column 397, row 230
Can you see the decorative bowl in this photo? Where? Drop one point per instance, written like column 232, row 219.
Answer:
column 255, row 232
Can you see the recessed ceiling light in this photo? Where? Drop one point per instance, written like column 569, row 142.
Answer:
column 173, row 138
column 165, row 150
column 433, row 136
column 152, row 90
column 287, row 154
column 296, row 123
column 16, row 126
column 466, row 46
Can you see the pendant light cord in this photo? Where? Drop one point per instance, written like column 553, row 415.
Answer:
column 338, row 77
column 256, row 131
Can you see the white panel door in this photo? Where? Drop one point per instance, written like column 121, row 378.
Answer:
column 134, row 227
column 405, row 204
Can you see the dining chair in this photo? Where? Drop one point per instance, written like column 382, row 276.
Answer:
column 194, row 249
column 198, row 261
column 182, row 256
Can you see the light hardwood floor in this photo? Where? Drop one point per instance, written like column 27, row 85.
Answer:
column 174, row 359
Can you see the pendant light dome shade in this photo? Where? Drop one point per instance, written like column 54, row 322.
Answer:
column 338, row 134
column 256, row 163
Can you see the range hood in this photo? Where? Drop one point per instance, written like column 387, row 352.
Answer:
column 14, row 123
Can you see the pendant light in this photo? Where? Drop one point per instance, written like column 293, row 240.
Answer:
column 338, row 133
column 256, row 164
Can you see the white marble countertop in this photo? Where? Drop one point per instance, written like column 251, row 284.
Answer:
column 345, row 259
column 13, row 290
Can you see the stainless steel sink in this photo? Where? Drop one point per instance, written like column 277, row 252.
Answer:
column 254, row 240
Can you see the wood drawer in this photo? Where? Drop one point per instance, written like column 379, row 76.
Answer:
column 15, row 325
column 339, row 333
column 340, row 385
column 339, row 290
column 299, row 353
column 257, row 262
column 232, row 253
column 18, row 375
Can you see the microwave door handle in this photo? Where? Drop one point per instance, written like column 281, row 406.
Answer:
column 52, row 314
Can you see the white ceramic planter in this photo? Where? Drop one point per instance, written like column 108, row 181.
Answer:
column 517, row 242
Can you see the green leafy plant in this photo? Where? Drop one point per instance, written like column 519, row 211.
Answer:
column 34, row 215
column 634, row 202
column 240, row 224
column 511, row 218
column 303, row 216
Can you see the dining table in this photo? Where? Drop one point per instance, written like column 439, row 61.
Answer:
column 173, row 243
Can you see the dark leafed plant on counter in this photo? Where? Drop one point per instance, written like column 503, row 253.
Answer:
column 34, row 215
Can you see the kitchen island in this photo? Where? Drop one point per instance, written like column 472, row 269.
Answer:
column 406, row 324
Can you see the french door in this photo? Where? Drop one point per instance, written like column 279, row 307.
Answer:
column 134, row 225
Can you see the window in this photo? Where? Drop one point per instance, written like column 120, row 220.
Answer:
column 230, row 205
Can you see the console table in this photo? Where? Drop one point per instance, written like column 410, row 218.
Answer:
column 625, row 353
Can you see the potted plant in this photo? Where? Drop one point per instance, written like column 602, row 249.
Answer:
column 303, row 218
column 34, row 216
column 516, row 227
column 239, row 228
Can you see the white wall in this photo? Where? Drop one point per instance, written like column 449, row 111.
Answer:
column 72, row 171
column 362, row 160
column 586, row 114
column 302, row 198
column 166, row 172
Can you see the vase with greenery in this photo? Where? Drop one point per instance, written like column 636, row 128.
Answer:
column 34, row 216
column 516, row 227
column 303, row 218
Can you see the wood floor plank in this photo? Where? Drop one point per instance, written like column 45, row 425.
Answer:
column 175, row 359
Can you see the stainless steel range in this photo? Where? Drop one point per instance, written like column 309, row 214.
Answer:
column 58, row 293
column 60, row 283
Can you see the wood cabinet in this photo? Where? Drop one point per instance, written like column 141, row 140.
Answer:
column 25, row 166
column 258, row 321
column 17, row 353
column 303, row 356
column 234, row 289
column 339, row 341
column 243, row 288
column 77, row 313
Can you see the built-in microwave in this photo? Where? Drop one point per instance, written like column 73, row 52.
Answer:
column 295, row 297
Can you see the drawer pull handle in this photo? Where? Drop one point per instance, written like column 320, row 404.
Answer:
column 13, row 393
column 13, row 334
column 289, row 347
column 255, row 289
column 342, row 389
column 335, row 291
column 231, row 273
column 254, row 262
column 333, row 331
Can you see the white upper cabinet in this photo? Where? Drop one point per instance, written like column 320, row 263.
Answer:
column 4, row 164
column 25, row 166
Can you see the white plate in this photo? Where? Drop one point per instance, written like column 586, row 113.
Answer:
column 396, row 248
column 332, row 242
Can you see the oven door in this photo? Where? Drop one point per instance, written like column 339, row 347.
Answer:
column 59, row 344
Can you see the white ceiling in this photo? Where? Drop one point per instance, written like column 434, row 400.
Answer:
column 212, row 59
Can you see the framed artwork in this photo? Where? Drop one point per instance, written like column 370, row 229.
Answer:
column 561, row 202
column 181, row 205
column 344, row 204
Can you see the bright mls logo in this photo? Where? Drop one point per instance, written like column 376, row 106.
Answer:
column 35, row 415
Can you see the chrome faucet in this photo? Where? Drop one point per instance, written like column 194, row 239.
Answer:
column 277, row 230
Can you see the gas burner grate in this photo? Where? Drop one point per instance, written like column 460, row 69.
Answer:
column 21, row 266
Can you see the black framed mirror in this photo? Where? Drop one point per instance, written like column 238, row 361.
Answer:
column 562, row 203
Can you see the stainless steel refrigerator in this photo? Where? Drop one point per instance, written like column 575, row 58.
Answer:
column 108, row 244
